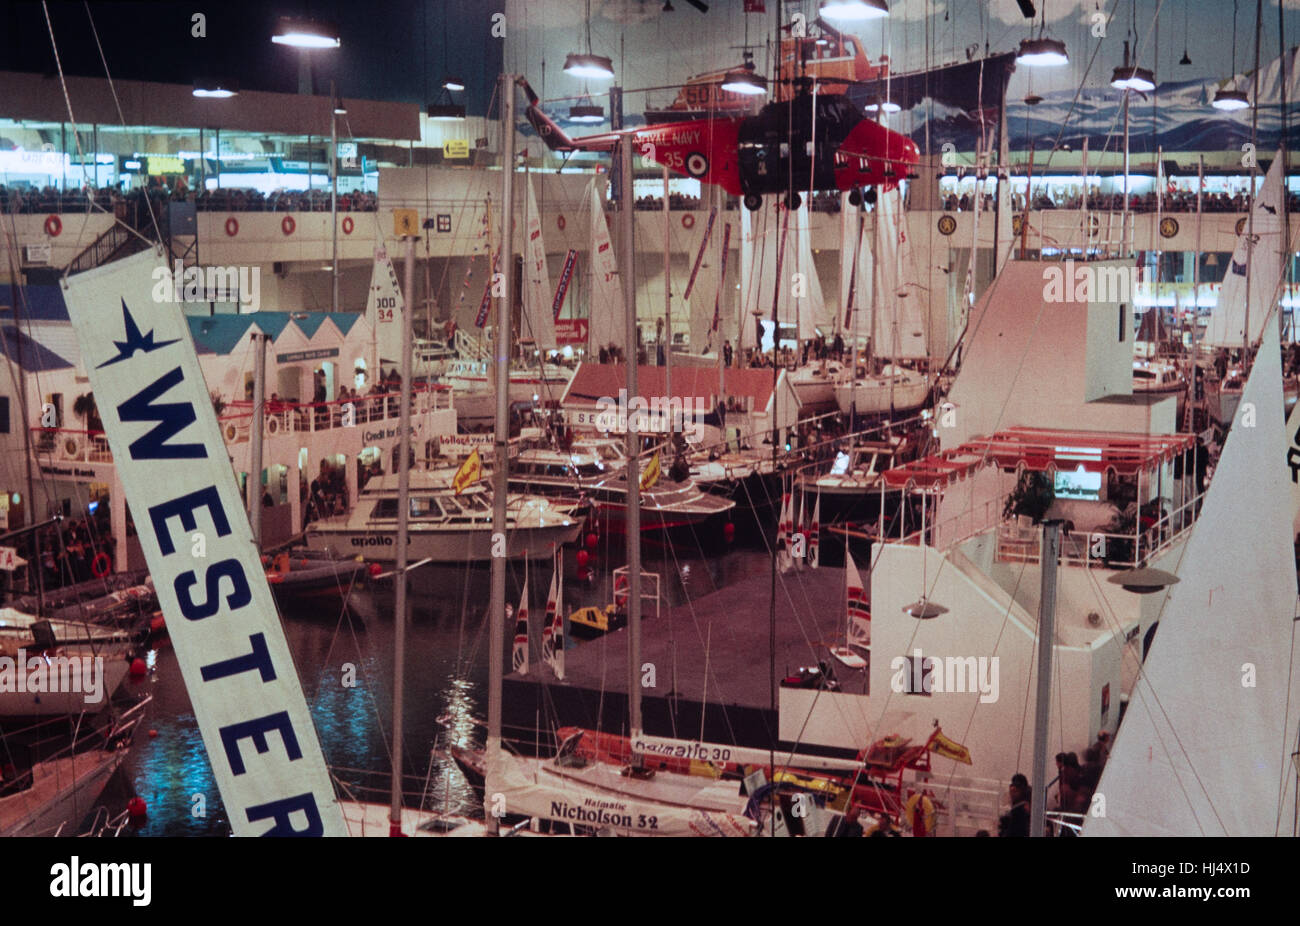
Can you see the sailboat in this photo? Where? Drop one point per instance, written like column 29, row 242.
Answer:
column 1208, row 745
column 897, row 329
column 1249, row 291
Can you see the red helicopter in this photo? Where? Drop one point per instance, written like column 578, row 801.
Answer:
column 812, row 141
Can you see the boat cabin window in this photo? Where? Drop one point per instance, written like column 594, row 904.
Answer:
column 474, row 503
column 557, row 469
column 1143, row 374
column 384, row 508
column 425, row 507
column 590, row 469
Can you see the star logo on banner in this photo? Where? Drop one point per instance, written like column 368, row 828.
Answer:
column 135, row 341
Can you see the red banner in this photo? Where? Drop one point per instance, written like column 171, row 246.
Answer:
column 699, row 258
column 722, row 276
column 755, row 6
column 571, row 331
column 563, row 289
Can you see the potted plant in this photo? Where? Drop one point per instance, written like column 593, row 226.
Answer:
column 1031, row 498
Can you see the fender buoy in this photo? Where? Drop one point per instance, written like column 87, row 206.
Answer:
column 232, row 226
column 347, row 225
column 100, row 565
column 620, row 591
column 287, row 225
column 688, row 221
column 53, row 226
column 918, row 813
column 560, row 222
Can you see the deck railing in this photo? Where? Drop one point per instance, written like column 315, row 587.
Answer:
column 70, row 445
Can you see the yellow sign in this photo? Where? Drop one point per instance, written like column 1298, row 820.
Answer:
column 455, row 148
column 406, row 222
column 164, row 165
column 470, row 472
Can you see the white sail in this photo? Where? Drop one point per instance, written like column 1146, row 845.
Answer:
column 858, row 629
column 171, row 459
column 1205, row 747
column 855, row 277
column 606, row 312
column 600, row 797
column 761, row 237
column 553, row 631
column 538, row 322
column 1227, row 324
column 384, row 308
column 806, row 289
column 900, row 311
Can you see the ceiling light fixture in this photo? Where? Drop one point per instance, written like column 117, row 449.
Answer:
column 306, row 33
column 855, row 9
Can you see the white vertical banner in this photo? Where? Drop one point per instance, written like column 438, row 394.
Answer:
column 606, row 301
column 384, row 309
column 539, row 322
column 197, row 542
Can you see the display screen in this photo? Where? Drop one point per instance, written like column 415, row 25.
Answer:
column 1079, row 484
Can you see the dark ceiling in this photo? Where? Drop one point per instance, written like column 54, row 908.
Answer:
column 391, row 49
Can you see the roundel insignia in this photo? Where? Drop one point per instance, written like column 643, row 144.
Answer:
column 1241, row 226
column 1017, row 223
column 947, row 225
column 697, row 165
column 1093, row 225
column 1168, row 227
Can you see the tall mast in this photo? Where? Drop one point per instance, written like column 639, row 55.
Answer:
column 1250, row 201
column 633, row 442
column 501, row 439
column 403, row 515
column 668, row 298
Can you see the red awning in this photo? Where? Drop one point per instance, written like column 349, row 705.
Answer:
column 1041, row 450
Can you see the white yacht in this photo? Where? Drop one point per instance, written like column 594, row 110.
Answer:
column 595, row 473
column 444, row 527
column 894, row 389
column 814, row 383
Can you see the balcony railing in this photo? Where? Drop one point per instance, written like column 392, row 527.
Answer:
column 68, row 445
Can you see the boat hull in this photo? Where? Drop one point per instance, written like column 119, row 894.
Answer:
column 876, row 397
column 441, row 546
column 61, row 788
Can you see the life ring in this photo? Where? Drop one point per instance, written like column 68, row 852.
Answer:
column 347, row 225
column 272, row 425
column 232, row 226
column 287, row 225
column 560, row 222
column 230, row 432
column 70, row 446
column 100, row 565
column 688, row 221
column 919, row 814
column 621, row 591
column 53, row 226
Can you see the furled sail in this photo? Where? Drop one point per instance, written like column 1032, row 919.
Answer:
column 174, row 468
column 1227, row 325
column 607, row 312
column 900, row 311
column 855, row 271
column 384, row 308
column 799, row 296
column 538, row 322
column 1205, row 747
